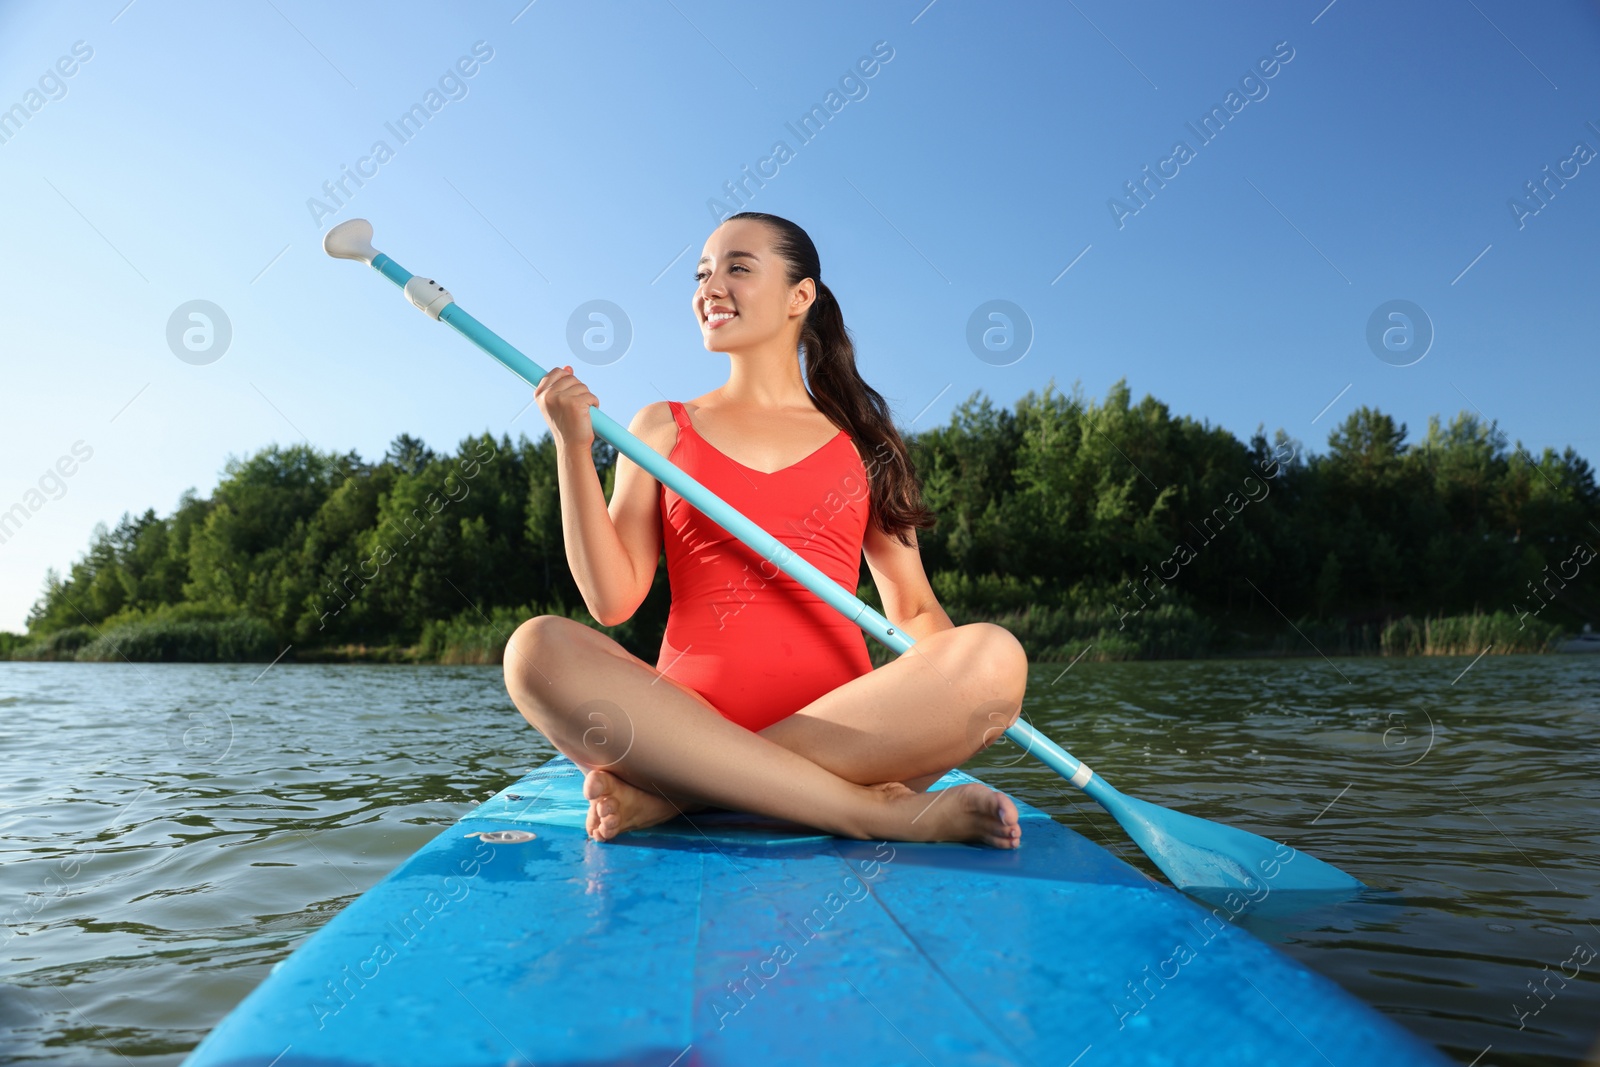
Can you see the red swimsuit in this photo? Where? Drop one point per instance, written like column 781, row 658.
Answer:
column 753, row 641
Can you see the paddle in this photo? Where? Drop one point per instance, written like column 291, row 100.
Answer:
column 1194, row 853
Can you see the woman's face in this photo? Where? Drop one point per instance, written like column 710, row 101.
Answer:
column 740, row 275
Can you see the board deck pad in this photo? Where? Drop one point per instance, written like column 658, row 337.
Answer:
column 734, row 939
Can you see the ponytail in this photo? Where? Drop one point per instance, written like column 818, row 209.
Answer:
column 844, row 396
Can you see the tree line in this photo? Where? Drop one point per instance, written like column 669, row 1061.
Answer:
column 1078, row 522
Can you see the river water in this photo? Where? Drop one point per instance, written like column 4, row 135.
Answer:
column 170, row 831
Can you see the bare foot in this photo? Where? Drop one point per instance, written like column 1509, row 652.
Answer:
column 615, row 806
column 971, row 812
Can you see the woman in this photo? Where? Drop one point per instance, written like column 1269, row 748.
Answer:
column 763, row 699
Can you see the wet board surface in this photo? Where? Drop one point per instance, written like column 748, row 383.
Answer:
column 740, row 940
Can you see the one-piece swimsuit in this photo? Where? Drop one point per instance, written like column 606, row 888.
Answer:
column 756, row 644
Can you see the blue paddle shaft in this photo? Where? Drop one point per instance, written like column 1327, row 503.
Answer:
column 724, row 515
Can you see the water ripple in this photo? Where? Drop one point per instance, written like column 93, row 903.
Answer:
column 171, row 831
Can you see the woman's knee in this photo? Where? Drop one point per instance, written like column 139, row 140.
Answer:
column 996, row 666
column 999, row 657
column 537, row 641
column 553, row 665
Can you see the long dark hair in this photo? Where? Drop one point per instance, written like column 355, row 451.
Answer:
column 843, row 395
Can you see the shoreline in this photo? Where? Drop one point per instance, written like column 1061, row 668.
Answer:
column 404, row 656
column 1047, row 634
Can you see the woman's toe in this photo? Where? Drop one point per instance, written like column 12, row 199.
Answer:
column 596, row 784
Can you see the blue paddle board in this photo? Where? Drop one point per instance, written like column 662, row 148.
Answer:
column 512, row 938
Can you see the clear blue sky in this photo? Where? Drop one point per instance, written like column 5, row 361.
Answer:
column 176, row 163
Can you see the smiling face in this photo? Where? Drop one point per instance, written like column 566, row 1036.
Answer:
column 743, row 298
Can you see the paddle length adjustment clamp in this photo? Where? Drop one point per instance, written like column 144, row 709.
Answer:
column 428, row 295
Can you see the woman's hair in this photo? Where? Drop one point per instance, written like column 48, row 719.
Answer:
column 841, row 393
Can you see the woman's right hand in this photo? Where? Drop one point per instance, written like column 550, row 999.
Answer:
column 565, row 402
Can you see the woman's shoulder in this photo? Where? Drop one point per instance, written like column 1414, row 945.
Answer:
column 655, row 425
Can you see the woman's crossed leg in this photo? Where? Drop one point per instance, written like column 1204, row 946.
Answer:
column 851, row 762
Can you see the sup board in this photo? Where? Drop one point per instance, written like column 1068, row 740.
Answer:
column 512, row 938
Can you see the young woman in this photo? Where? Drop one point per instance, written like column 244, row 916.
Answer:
column 763, row 698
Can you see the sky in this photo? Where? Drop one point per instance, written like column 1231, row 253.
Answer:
column 996, row 190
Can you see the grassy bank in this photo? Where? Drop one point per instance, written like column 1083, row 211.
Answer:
column 1175, row 632
column 1467, row 635
column 169, row 638
column 1050, row 634
column 1450, row 635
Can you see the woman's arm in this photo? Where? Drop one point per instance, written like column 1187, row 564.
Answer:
column 908, row 600
column 613, row 552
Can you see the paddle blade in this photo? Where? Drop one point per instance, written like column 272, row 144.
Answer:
column 1198, row 855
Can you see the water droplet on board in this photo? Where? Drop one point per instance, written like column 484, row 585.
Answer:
column 1500, row 928
column 1553, row 930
